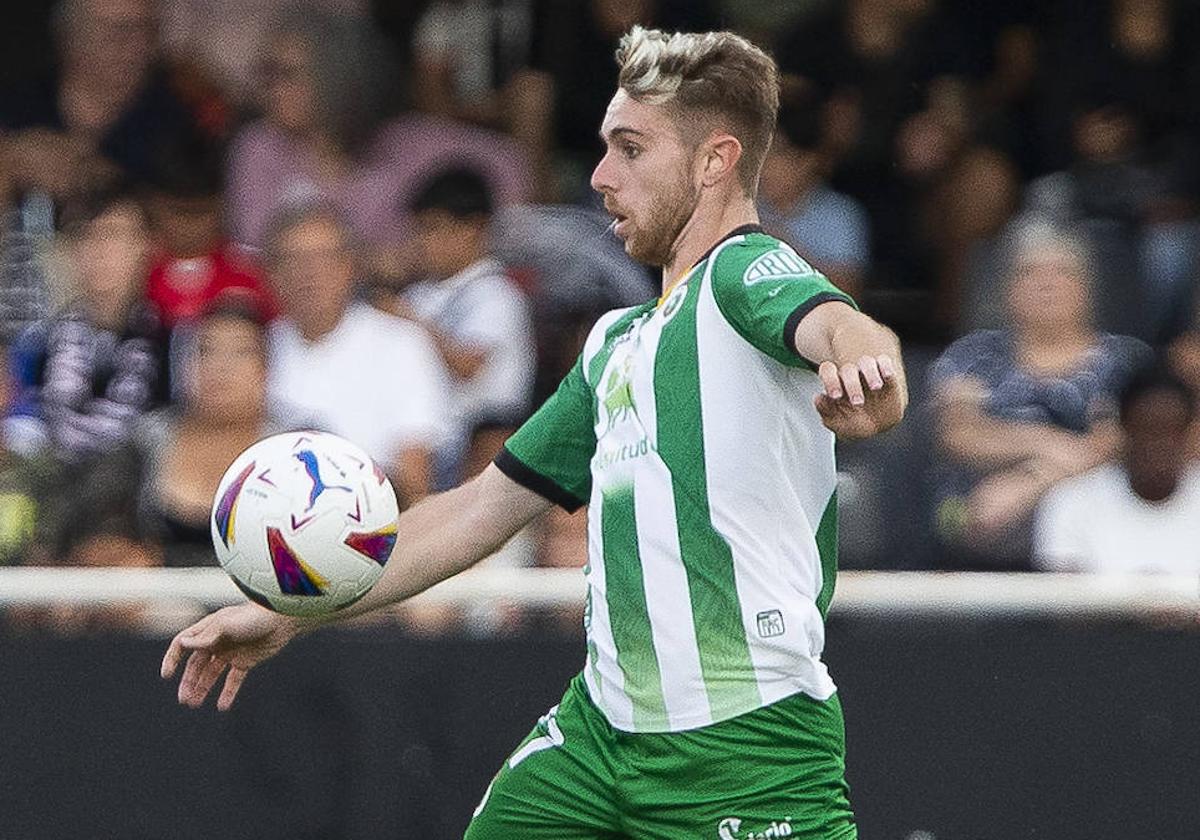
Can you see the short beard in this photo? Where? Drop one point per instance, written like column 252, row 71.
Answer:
column 656, row 245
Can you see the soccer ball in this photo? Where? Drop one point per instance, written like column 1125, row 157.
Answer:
column 304, row 522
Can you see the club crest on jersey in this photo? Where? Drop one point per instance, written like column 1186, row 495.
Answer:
column 776, row 264
column 618, row 392
column 674, row 302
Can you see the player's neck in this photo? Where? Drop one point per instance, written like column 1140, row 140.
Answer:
column 705, row 229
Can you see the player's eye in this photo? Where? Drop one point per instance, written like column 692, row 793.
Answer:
column 630, row 151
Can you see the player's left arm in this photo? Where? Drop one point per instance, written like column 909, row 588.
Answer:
column 858, row 360
column 791, row 312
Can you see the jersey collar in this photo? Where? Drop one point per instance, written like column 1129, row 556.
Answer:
column 741, row 230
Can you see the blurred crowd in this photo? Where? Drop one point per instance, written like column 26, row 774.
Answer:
column 222, row 219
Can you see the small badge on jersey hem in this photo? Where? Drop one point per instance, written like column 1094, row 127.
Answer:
column 770, row 624
column 781, row 262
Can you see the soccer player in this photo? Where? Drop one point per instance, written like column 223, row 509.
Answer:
column 699, row 429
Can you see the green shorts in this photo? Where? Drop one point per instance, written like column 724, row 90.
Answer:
column 778, row 771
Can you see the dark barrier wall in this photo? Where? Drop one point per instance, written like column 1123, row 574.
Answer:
column 978, row 731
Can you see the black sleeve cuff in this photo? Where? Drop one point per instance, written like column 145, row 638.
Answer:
column 530, row 479
column 793, row 320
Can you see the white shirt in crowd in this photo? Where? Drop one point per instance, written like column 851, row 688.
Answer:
column 480, row 307
column 375, row 379
column 1096, row 523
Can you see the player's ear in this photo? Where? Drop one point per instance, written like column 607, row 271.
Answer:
column 721, row 155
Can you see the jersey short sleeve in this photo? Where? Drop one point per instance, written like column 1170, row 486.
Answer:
column 764, row 289
column 551, row 453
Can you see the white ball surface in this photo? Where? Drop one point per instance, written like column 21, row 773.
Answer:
column 304, row 522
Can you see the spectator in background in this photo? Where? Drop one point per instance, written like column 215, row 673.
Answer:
column 97, row 113
column 195, row 262
column 481, row 325
column 27, row 492
column 1128, row 205
column 1115, row 127
column 1019, row 409
column 875, row 60
column 1141, row 514
column 314, row 140
column 1136, row 51
column 900, row 97
column 465, row 53
column 828, row 228
column 478, row 319
column 169, row 470
column 223, row 38
column 343, row 366
column 94, row 368
column 26, row 251
column 105, row 108
column 472, row 62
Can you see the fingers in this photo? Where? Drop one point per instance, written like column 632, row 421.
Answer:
column 233, row 682
column 183, row 641
column 171, row 658
column 848, row 380
column 828, row 372
column 191, row 671
column 826, row 407
column 868, row 366
column 887, row 366
column 207, row 679
column 203, row 633
column 852, row 384
column 201, row 674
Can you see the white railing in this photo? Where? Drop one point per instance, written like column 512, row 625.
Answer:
column 928, row 594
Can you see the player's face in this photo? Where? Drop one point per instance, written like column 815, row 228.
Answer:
column 646, row 177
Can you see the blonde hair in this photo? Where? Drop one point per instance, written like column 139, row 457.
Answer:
column 718, row 73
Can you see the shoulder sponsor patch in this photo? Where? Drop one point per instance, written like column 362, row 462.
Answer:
column 776, row 264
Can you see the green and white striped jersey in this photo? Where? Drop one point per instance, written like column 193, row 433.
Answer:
column 688, row 427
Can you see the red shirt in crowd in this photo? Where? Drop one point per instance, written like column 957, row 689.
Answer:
column 183, row 288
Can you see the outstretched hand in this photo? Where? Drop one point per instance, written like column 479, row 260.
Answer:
column 233, row 638
column 861, row 399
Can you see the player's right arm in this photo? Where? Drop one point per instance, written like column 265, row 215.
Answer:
column 449, row 533
column 546, row 461
column 436, row 539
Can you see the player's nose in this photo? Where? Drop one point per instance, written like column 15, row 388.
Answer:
column 601, row 176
